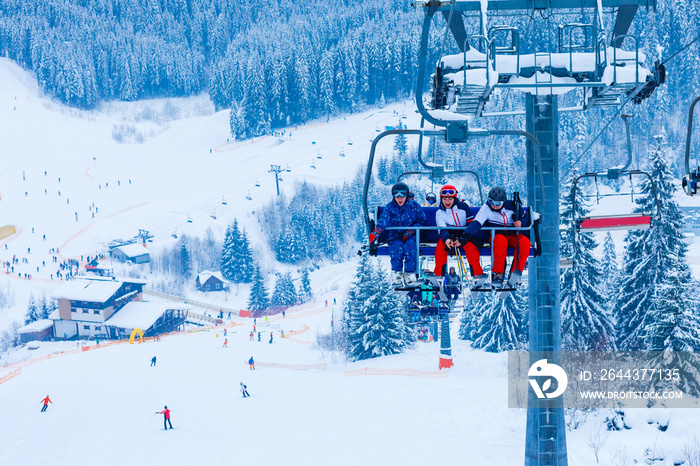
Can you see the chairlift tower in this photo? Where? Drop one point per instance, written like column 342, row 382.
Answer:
column 144, row 235
column 605, row 70
column 276, row 169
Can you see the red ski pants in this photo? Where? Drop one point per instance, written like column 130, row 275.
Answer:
column 501, row 244
column 441, row 256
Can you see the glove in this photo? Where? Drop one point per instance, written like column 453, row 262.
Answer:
column 452, row 238
column 465, row 237
column 374, row 235
column 408, row 234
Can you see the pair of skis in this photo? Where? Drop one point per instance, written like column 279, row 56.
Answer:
column 427, row 284
column 508, row 286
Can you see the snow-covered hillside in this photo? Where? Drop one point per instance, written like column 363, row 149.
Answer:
column 64, row 177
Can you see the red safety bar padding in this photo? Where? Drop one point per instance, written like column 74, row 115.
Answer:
column 616, row 223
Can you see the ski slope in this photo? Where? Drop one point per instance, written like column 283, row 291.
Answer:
column 186, row 169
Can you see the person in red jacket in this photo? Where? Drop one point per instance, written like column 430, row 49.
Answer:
column 46, row 402
column 166, row 417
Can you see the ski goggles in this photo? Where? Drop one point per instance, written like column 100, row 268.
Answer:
column 493, row 203
column 400, row 193
column 448, row 192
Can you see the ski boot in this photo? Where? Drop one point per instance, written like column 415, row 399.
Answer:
column 497, row 280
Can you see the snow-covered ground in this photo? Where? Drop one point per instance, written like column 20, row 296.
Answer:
column 307, row 407
column 186, row 169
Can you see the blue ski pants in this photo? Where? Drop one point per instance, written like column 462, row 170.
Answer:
column 403, row 255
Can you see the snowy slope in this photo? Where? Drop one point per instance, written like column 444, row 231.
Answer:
column 187, row 168
column 306, row 407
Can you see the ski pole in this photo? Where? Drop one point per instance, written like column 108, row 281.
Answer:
column 462, row 268
column 150, row 417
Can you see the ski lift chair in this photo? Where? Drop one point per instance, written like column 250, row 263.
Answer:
column 691, row 180
column 428, row 234
column 618, row 221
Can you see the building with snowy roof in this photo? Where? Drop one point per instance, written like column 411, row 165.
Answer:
column 136, row 253
column 85, row 304
column 211, row 281
column 152, row 318
column 39, row 330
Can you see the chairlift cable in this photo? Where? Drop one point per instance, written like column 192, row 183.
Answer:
column 682, row 49
column 612, row 118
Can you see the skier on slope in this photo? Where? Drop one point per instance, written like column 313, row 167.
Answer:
column 497, row 212
column 244, row 390
column 251, row 363
column 46, row 402
column 166, row 417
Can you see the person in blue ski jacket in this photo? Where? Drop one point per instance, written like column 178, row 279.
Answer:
column 401, row 211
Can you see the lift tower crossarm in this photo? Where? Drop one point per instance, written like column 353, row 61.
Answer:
column 504, row 5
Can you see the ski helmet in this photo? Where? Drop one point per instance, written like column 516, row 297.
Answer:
column 497, row 196
column 448, row 191
column 430, row 197
column 400, row 189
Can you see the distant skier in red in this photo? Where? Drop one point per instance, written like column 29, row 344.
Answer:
column 46, row 402
column 166, row 417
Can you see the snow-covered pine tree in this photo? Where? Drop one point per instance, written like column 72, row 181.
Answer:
column 400, row 145
column 586, row 322
column 210, row 259
column 305, row 292
column 292, row 246
column 237, row 124
column 501, row 326
column 185, row 265
column 284, row 294
column 327, row 85
column 382, row 326
column 383, row 170
column 609, row 267
column 471, row 314
column 51, row 305
column 245, row 258
column 256, row 112
column 258, row 299
column 351, row 319
column 33, row 311
column 651, row 258
column 229, row 268
column 674, row 328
